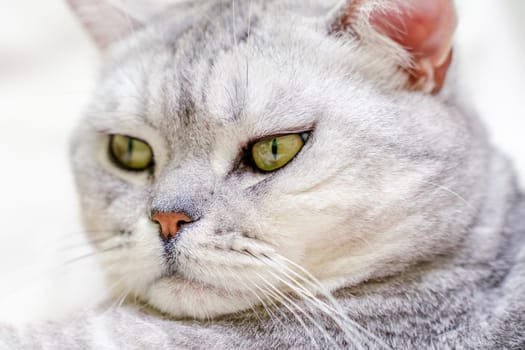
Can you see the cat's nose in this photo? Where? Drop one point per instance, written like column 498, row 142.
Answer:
column 170, row 223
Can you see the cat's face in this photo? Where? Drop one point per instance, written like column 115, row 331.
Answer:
column 378, row 177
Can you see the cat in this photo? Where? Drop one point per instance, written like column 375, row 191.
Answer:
column 291, row 175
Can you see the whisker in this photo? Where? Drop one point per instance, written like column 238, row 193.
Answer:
column 315, row 302
column 318, row 304
column 258, row 297
column 83, row 234
column 455, row 194
column 117, row 300
column 243, row 282
column 87, row 244
column 277, row 294
column 335, row 304
column 332, row 311
column 267, row 308
column 93, row 254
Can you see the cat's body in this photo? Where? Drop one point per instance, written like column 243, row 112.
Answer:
column 397, row 203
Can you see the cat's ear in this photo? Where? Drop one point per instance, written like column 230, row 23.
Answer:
column 105, row 20
column 423, row 28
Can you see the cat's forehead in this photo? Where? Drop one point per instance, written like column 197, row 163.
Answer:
column 259, row 73
column 177, row 72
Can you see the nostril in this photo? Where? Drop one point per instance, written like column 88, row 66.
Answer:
column 170, row 223
column 183, row 222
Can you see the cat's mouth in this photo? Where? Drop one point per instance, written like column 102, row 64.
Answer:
column 182, row 297
column 202, row 280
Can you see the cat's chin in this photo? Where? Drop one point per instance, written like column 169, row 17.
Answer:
column 181, row 298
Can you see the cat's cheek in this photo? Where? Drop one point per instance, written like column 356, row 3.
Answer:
column 133, row 261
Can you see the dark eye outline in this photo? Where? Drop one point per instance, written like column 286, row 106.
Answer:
column 122, row 166
column 250, row 162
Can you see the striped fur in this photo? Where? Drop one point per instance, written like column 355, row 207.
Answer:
column 397, row 226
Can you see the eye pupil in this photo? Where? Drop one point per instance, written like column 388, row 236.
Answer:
column 130, row 147
column 275, row 149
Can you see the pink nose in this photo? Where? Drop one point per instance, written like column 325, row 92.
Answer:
column 170, row 223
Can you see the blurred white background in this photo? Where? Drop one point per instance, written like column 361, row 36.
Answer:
column 48, row 68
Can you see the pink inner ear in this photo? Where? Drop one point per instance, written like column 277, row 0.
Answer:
column 425, row 28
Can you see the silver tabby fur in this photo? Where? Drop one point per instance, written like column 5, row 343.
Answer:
column 397, row 226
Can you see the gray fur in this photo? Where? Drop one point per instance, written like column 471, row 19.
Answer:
column 398, row 204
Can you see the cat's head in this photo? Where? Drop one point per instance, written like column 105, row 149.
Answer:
column 237, row 149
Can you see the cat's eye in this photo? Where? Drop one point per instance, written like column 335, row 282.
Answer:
column 130, row 153
column 273, row 153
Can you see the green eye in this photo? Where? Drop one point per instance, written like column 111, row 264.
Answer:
column 274, row 153
column 130, row 153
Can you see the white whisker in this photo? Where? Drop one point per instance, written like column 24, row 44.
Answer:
column 338, row 309
column 288, row 303
column 455, row 194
